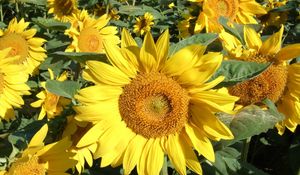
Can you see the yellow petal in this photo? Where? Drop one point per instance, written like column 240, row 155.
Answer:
column 183, row 60
column 273, row 44
column 38, row 138
column 148, row 55
column 200, row 142
column 91, row 136
column 252, row 38
column 162, row 46
column 289, row 52
column 133, row 153
column 127, row 39
column 155, row 158
column 252, row 7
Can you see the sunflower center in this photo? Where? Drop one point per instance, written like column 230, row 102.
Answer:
column 2, row 83
column 226, row 8
column 31, row 166
column 18, row 44
column 90, row 40
column 64, row 7
column 51, row 101
column 269, row 84
column 154, row 105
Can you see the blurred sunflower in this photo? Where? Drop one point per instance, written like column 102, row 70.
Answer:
column 12, row 84
column 62, row 9
column 279, row 83
column 24, row 44
column 89, row 33
column 40, row 159
column 274, row 18
column 185, row 27
column 239, row 11
column 100, row 10
column 143, row 24
column 76, row 130
column 144, row 105
column 52, row 105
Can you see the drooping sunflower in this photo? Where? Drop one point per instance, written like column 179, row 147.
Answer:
column 143, row 24
column 89, row 33
column 51, row 104
column 40, row 159
column 13, row 80
column 146, row 104
column 76, row 130
column 279, row 83
column 62, row 9
column 239, row 11
column 24, row 44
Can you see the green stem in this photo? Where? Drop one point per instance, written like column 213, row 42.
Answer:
column 133, row 3
column 1, row 13
column 17, row 8
column 164, row 170
column 245, row 149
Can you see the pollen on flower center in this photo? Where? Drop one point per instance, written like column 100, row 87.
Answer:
column 227, row 8
column 31, row 166
column 154, row 105
column 269, row 84
column 18, row 44
column 64, row 7
column 89, row 40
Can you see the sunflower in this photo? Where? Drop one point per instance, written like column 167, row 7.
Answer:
column 143, row 24
column 185, row 27
column 52, row 104
column 76, row 130
column 279, row 83
column 89, row 33
column 274, row 18
column 24, row 44
column 12, row 84
column 62, row 9
column 43, row 159
column 145, row 105
column 239, row 11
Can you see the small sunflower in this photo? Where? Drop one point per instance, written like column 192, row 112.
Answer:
column 143, row 24
column 239, row 11
column 52, row 105
column 185, row 27
column 274, row 18
column 89, row 33
column 24, row 44
column 279, row 83
column 40, row 159
column 62, row 9
column 76, row 130
column 12, row 84
column 145, row 105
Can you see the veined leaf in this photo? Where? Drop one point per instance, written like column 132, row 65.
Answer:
column 202, row 38
column 82, row 57
column 63, row 88
column 238, row 71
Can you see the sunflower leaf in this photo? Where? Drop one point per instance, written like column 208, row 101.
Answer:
column 82, row 57
column 51, row 24
column 63, row 88
column 202, row 38
column 238, row 71
column 250, row 121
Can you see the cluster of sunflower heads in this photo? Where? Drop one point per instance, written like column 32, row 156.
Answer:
column 146, row 87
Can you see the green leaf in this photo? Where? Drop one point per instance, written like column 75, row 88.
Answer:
column 55, row 44
column 131, row 10
column 82, row 57
column 238, row 71
column 250, row 121
column 224, row 22
column 2, row 25
column 51, row 23
column 36, row 2
column 63, row 88
column 202, row 38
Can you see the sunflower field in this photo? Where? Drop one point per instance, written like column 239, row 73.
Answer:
column 145, row 87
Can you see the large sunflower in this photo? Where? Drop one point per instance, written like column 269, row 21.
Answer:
column 40, row 159
column 145, row 104
column 12, row 84
column 89, row 33
column 239, row 11
column 51, row 104
column 24, row 44
column 62, row 9
column 280, row 82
